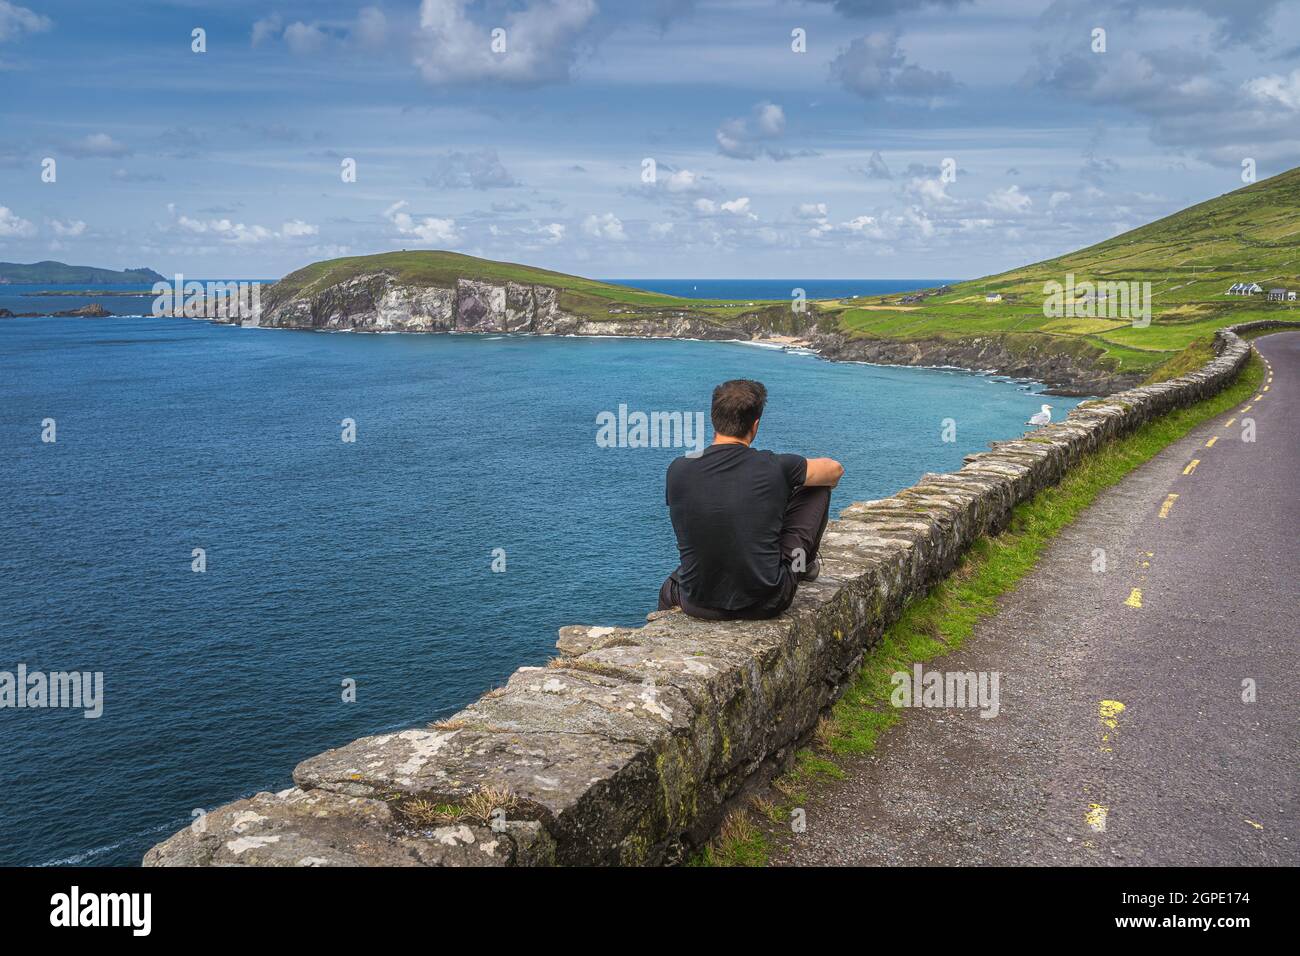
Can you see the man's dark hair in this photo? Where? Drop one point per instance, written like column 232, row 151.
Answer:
column 736, row 406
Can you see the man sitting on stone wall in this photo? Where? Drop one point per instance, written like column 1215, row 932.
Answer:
column 748, row 522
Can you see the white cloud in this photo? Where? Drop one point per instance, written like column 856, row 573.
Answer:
column 296, row 228
column 607, row 226
column 225, row 229
column 476, row 169
column 866, row 225
column 98, row 146
column 1276, row 89
column 734, row 207
column 369, row 32
column 1010, row 200
column 428, row 229
column 931, row 192
column 551, row 232
column 542, row 42
column 268, row 28
column 16, row 20
column 752, row 136
column 683, row 181
column 873, row 66
column 11, row 224
column 304, row 38
column 238, row 233
column 69, row 229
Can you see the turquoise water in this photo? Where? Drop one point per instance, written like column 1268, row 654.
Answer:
column 327, row 560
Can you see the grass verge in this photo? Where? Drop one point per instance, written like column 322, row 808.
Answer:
column 942, row 620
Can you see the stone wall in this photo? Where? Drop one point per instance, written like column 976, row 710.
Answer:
column 630, row 745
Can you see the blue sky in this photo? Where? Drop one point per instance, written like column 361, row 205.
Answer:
column 768, row 162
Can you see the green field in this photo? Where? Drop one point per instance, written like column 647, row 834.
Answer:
column 1189, row 259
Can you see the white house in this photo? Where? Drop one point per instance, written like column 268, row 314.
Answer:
column 1277, row 295
column 1244, row 288
column 993, row 297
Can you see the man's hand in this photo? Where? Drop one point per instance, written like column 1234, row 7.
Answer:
column 823, row 472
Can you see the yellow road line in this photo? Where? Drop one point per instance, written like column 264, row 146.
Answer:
column 1168, row 503
column 1247, row 408
column 1108, row 712
column 1266, row 388
column 1210, row 443
column 1192, row 466
column 1135, row 598
column 1228, row 422
column 1258, row 397
column 1095, row 817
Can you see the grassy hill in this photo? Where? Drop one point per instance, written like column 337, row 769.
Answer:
column 60, row 272
column 1190, row 259
column 586, row 297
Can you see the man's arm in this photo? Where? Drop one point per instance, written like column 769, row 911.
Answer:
column 823, row 472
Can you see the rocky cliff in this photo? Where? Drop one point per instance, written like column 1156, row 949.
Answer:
column 377, row 302
column 1065, row 365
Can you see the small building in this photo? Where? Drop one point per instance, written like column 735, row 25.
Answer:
column 1291, row 295
column 993, row 297
column 1277, row 295
column 1244, row 288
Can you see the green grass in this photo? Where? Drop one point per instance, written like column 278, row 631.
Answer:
column 1197, row 353
column 739, row 843
column 941, row 621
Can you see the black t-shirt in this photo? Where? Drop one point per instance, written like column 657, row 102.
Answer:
column 727, row 506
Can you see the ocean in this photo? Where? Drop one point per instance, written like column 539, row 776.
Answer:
column 327, row 561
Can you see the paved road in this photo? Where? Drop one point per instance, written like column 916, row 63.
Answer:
column 1200, row 595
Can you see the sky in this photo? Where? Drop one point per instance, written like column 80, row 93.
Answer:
column 654, row 139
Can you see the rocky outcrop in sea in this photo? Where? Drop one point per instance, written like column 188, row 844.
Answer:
column 92, row 311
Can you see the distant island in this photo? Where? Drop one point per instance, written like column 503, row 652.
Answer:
column 60, row 272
